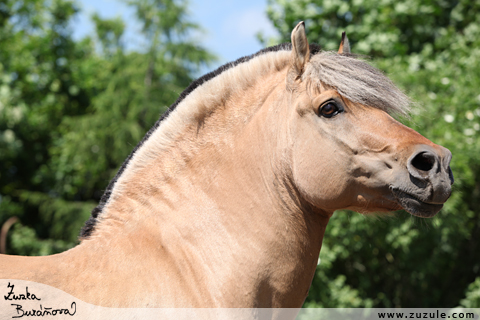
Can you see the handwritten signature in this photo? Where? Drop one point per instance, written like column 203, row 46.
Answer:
column 12, row 296
column 41, row 311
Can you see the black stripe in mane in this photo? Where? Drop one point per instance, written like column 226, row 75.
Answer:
column 89, row 226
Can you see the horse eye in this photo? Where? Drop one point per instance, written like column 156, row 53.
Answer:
column 329, row 110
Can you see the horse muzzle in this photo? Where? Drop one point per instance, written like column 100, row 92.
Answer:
column 429, row 182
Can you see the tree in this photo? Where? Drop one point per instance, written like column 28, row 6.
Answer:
column 377, row 28
column 37, row 90
column 71, row 112
column 431, row 49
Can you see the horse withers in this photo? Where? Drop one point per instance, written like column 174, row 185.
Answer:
column 225, row 201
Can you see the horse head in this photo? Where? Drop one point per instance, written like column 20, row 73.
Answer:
column 344, row 137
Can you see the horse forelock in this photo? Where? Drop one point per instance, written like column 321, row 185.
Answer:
column 351, row 77
column 358, row 81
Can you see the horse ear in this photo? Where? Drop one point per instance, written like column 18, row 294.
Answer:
column 344, row 45
column 300, row 49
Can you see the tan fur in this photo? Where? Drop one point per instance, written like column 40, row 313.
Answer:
column 198, row 106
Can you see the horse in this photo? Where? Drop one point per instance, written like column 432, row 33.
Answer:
column 225, row 201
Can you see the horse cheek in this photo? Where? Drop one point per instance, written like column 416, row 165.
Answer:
column 320, row 175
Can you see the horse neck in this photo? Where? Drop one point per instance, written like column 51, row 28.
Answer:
column 224, row 191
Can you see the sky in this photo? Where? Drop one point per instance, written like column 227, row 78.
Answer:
column 229, row 25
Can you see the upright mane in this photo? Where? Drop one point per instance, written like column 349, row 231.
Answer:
column 90, row 224
column 353, row 78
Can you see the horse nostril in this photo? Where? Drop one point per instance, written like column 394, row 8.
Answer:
column 450, row 175
column 429, row 172
column 423, row 161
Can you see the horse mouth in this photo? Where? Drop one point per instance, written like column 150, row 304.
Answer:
column 415, row 206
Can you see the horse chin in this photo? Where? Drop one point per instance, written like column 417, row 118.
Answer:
column 415, row 206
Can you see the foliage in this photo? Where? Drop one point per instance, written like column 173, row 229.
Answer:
column 71, row 111
column 472, row 297
column 384, row 28
column 432, row 50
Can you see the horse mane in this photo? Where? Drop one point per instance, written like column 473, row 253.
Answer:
column 352, row 77
column 90, row 224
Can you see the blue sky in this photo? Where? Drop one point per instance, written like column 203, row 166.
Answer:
column 230, row 25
